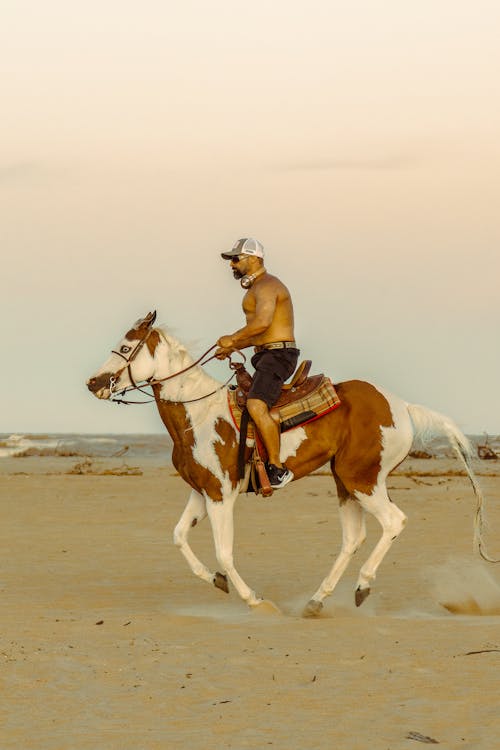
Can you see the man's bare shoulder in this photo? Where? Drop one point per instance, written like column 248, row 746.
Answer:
column 271, row 284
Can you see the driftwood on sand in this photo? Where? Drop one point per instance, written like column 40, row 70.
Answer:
column 486, row 452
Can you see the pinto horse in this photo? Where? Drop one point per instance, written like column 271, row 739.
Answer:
column 364, row 440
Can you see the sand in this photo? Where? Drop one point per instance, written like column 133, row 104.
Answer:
column 109, row 641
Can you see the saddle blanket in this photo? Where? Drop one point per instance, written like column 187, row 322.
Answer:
column 319, row 402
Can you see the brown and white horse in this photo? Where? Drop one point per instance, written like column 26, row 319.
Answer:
column 364, row 440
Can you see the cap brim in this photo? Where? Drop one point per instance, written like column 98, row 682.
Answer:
column 228, row 256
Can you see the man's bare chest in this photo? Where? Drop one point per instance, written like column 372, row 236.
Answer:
column 249, row 304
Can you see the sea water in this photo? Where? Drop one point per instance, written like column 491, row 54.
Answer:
column 72, row 444
column 157, row 446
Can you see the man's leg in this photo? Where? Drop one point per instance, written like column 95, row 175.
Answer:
column 270, row 373
column 267, row 428
column 279, row 475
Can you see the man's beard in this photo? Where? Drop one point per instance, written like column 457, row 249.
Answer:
column 237, row 274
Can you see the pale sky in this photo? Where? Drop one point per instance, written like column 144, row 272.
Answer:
column 359, row 142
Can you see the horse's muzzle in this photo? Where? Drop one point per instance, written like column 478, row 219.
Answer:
column 100, row 386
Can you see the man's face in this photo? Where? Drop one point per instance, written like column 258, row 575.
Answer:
column 239, row 266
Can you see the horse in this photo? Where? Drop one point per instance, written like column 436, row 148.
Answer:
column 364, row 439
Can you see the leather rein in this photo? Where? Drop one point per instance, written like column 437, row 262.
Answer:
column 135, row 387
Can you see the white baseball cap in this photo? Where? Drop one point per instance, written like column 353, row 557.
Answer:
column 245, row 246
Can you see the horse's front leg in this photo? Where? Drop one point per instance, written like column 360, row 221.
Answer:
column 220, row 514
column 194, row 512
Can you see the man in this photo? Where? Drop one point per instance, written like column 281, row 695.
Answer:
column 269, row 328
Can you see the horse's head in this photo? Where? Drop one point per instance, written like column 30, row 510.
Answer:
column 130, row 362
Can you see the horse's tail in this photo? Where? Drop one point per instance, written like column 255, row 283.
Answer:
column 428, row 424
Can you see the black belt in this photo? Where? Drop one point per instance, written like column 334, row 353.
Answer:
column 276, row 345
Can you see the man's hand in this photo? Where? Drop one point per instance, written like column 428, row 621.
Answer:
column 225, row 344
column 223, row 353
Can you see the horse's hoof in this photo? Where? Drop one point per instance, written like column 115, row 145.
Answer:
column 312, row 609
column 220, row 582
column 266, row 607
column 361, row 595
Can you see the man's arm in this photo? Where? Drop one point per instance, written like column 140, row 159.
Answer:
column 257, row 323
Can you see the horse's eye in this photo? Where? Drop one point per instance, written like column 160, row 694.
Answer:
column 125, row 349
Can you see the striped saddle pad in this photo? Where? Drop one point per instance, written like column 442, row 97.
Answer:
column 322, row 400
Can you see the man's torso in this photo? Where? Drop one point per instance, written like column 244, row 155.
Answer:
column 271, row 290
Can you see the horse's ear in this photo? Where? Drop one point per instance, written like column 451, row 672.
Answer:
column 150, row 319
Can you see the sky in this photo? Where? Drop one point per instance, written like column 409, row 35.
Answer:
column 359, row 142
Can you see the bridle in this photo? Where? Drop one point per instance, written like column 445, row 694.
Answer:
column 151, row 381
column 133, row 354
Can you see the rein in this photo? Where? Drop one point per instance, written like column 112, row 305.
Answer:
column 201, row 361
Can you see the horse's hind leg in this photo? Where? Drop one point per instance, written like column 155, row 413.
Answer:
column 393, row 521
column 194, row 512
column 353, row 536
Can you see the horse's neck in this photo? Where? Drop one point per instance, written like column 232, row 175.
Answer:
column 174, row 416
column 185, row 417
column 171, row 357
column 191, row 405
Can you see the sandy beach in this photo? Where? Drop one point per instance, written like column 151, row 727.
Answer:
column 109, row 641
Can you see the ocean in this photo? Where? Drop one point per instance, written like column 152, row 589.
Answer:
column 73, row 444
column 157, row 446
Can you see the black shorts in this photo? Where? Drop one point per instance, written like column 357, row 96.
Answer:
column 272, row 368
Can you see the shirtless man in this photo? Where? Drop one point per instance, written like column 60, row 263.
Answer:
column 269, row 328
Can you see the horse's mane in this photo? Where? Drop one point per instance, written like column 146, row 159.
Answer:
column 172, row 341
column 181, row 352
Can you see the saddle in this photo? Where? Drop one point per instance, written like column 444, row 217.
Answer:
column 300, row 386
column 303, row 399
